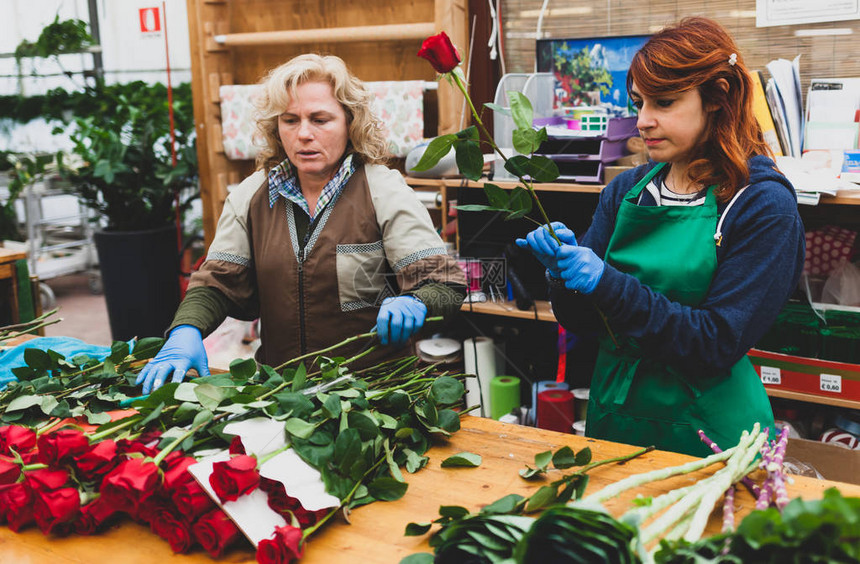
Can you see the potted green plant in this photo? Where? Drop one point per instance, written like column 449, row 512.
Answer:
column 123, row 169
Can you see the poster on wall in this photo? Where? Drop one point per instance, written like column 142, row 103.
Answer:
column 793, row 12
column 590, row 71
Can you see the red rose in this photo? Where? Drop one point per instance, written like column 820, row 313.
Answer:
column 93, row 515
column 97, row 460
column 9, row 471
column 130, row 483
column 236, row 446
column 192, row 500
column 57, row 447
column 16, row 437
column 126, row 446
column 441, row 53
column 55, row 507
column 46, row 479
column 215, row 532
column 285, row 547
column 16, row 505
column 278, row 498
column 172, row 529
column 152, row 506
column 176, row 471
column 235, row 477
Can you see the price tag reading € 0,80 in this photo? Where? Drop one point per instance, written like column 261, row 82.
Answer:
column 771, row 375
column 831, row 383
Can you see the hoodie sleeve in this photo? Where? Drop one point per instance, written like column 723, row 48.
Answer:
column 759, row 264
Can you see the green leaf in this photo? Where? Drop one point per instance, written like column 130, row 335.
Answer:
column 463, row 459
column 497, row 108
column 299, row 428
column 497, row 196
column 528, row 472
column 446, row 390
column 295, row 404
column 542, row 459
column 416, row 530
column 96, row 418
column 331, row 407
column 526, row 141
column 118, row 351
column 479, row 208
column 453, row 511
column 520, row 204
column 50, row 403
column 542, row 169
column 521, row 110
column 347, row 447
column 506, row 505
column 583, row 457
column 518, row 165
column 364, row 424
column 151, row 416
column 434, row 152
column 564, row 458
column 449, row 420
column 418, row 558
column 23, row 402
column 210, row 396
column 544, row 497
column 37, row 359
column 147, row 347
column 387, row 489
column 243, row 369
column 300, row 378
column 470, row 160
column 414, row 461
column 185, row 392
column 205, row 416
column 470, row 132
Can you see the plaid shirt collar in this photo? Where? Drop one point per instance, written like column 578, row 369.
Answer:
column 284, row 182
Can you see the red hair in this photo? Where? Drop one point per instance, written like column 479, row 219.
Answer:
column 695, row 53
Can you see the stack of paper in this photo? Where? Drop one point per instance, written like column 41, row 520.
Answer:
column 831, row 110
column 786, row 103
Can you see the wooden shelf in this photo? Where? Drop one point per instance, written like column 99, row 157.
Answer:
column 810, row 398
column 843, row 198
column 541, row 311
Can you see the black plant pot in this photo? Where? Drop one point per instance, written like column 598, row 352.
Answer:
column 140, row 276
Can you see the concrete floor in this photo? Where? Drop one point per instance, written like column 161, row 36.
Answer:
column 84, row 316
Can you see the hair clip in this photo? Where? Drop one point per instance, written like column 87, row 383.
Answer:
column 733, row 58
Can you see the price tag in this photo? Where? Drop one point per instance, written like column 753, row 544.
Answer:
column 831, row 383
column 771, row 375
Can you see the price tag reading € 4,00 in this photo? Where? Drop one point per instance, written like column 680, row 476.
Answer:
column 831, row 383
column 771, row 375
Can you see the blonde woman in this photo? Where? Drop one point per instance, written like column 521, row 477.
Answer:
column 322, row 242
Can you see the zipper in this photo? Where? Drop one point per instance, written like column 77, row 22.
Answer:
column 302, row 340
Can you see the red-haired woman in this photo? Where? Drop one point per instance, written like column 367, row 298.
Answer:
column 690, row 257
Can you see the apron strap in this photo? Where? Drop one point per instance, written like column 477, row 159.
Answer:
column 637, row 188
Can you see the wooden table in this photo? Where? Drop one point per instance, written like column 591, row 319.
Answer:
column 376, row 532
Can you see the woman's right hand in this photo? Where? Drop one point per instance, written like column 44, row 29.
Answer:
column 182, row 351
column 545, row 248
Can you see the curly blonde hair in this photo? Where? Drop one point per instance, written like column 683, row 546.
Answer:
column 366, row 138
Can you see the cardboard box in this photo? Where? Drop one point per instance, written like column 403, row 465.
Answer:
column 831, row 461
column 610, row 172
column 825, row 378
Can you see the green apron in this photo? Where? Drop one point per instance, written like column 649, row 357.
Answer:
column 639, row 401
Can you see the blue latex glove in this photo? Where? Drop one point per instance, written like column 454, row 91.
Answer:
column 399, row 318
column 580, row 268
column 182, row 351
column 545, row 248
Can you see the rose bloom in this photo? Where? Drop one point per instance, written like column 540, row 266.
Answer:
column 441, row 53
column 235, row 477
column 176, row 471
column 285, row 547
column 16, row 437
column 55, row 508
column 173, row 529
column 191, row 500
column 154, row 505
column 59, row 446
column 236, row 446
column 9, row 471
column 98, row 460
column 277, row 496
column 130, row 483
column 215, row 532
column 125, row 446
column 16, row 505
column 93, row 516
column 46, row 479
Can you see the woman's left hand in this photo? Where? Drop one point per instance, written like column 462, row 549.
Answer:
column 399, row 318
column 579, row 267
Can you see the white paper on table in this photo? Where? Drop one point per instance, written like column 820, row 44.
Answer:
column 251, row 512
column 260, row 435
column 301, row 480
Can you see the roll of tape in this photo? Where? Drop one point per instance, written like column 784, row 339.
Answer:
column 479, row 358
column 504, row 395
column 555, row 410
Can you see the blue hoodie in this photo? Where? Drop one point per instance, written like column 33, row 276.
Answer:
column 759, row 263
